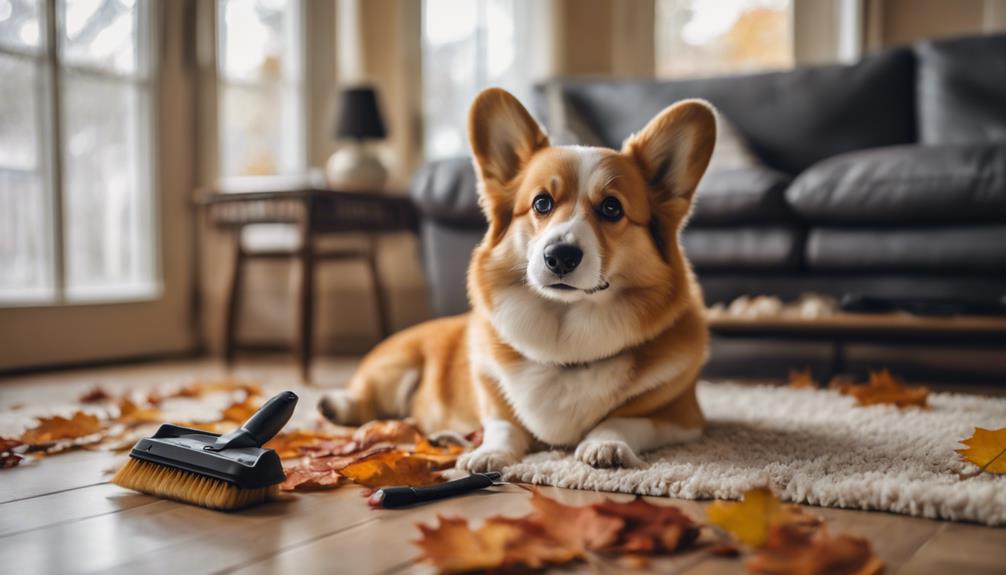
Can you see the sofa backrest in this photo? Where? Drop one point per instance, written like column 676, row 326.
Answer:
column 791, row 119
column 962, row 90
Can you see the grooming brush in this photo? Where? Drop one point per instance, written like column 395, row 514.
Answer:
column 226, row 472
column 392, row 497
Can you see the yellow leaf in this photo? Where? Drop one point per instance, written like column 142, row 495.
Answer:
column 986, row 449
column 748, row 519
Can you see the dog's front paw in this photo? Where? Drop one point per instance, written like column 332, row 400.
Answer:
column 340, row 407
column 607, row 453
column 482, row 460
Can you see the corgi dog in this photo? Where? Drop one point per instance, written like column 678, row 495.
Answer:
column 587, row 327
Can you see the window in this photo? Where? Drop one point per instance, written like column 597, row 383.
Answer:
column 711, row 37
column 463, row 54
column 261, row 102
column 76, row 185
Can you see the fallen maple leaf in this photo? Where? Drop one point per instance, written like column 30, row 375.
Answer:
column 312, row 473
column 577, row 527
column 387, row 431
column 289, row 444
column 802, row 379
column 649, row 528
column 500, row 543
column 986, row 449
column 240, row 411
column 390, row 468
column 885, row 388
column 8, row 458
column 443, row 457
column 751, row 518
column 51, row 429
column 200, row 388
column 96, row 394
column 789, row 550
column 132, row 414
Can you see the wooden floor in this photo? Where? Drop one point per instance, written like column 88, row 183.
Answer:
column 60, row 515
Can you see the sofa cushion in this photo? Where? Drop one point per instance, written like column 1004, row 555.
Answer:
column 962, row 90
column 770, row 248
column 741, row 196
column 932, row 250
column 445, row 191
column 791, row 119
column 905, row 185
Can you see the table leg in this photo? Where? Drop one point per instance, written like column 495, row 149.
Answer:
column 837, row 358
column 380, row 297
column 234, row 302
column 306, row 311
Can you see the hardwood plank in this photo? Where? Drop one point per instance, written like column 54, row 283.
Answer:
column 383, row 546
column 58, row 472
column 66, row 506
column 303, row 518
column 960, row 548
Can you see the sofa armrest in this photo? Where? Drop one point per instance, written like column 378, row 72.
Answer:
column 445, row 192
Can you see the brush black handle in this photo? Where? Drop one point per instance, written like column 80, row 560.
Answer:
column 265, row 423
column 262, row 426
column 392, row 497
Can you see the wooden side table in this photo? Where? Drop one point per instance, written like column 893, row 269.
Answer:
column 315, row 211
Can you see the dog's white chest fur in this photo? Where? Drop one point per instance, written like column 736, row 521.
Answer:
column 560, row 404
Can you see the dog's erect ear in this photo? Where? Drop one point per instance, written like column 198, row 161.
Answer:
column 503, row 135
column 673, row 150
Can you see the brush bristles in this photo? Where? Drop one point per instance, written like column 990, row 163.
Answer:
column 170, row 483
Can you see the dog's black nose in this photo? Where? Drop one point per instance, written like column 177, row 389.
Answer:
column 561, row 259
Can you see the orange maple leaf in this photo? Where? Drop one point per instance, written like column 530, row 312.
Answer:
column 51, row 429
column 390, row 468
column 649, row 528
column 96, row 394
column 885, row 388
column 387, row 431
column 443, row 457
column 132, row 414
column 986, row 449
column 311, row 473
column 500, row 543
column 240, row 411
column 802, row 379
column 789, row 550
column 293, row 443
column 577, row 527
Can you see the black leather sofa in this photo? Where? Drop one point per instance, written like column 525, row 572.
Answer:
column 884, row 178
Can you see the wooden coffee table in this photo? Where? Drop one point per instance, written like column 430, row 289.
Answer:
column 841, row 329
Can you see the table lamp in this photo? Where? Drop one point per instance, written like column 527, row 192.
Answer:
column 354, row 165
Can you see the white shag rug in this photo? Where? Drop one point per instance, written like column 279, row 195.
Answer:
column 814, row 447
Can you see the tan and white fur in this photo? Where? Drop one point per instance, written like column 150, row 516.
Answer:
column 599, row 351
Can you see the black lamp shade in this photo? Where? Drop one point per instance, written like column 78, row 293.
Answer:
column 359, row 115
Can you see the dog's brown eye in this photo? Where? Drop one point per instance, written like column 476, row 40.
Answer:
column 610, row 209
column 542, row 203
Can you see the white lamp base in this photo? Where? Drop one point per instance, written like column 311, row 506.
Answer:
column 355, row 167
